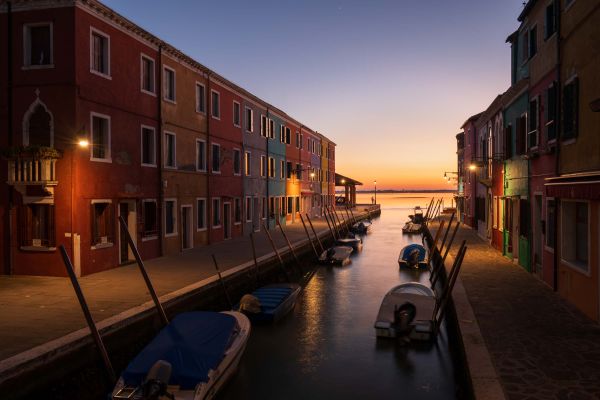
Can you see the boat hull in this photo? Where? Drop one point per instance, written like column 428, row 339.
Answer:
column 282, row 309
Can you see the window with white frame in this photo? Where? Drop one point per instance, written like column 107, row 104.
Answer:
column 236, row 113
column 282, row 133
column 237, row 162
column 37, row 225
column 170, row 217
column 169, row 84
column 147, row 74
column 271, row 128
column 100, row 137
column 288, row 170
column 301, row 141
column 249, row 120
column 247, row 163
column 149, row 218
column 575, row 234
column 550, row 112
column 550, row 19
column 200, row 98
column 38, row 46
column 263, row 166
column 248, row 209
column 532, row 134
column 298, row 171
column 99, row 52
column 271, row 167
column 264, row 208
column 200, row 155
column 263, row 126
column 282, row 208
column 148, row 146
column 282, row 169
column 237, row 210
column 216, row 212
column 298, row 140
column 216, row 104
column 272, row 210
column 216, row 158
column 290, row 205
column 200, row 214
column 170, row 150
column 102, row 222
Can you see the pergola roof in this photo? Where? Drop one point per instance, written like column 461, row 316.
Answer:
column 347, row 181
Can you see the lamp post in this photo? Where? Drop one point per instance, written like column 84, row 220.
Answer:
column 375, row 183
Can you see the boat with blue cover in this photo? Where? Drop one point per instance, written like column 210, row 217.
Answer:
column 200, row 350
column 269, row 303
column 414, row 255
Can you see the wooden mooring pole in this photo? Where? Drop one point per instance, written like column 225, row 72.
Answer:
column 287, row 276
column 222, row 281
column 309, row 238
column 289, row 244
column 315, row 232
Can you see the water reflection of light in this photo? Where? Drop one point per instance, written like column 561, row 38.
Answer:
column 310, row 336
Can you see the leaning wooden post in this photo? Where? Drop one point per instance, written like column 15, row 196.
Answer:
column 353, row 217
column 450, row 286
column 287, row 276
column 315, row 233
column 429, row 209
column 450, row 242
column 334, row 212
column 329, row 225
column 348, row 215
column 308, row 236
column 333, row 224
column 140, row 263
column 446, row 234
column 222, row 282
column 433, row 248
column 289, row 245
column 88, row 315
column 254, row 256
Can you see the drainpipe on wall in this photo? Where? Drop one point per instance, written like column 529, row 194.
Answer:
column 8, row 265
column 557, row 156
column 161, row 185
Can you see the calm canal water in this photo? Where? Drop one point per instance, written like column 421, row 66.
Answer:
column 327, row 349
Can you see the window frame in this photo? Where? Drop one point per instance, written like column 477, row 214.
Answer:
column 203, row 86
column 175, row 221
column 205, row 158
column 212, row 108
column 145, row 236
column 107, row 159
column 238, row 114
column 27, row 45
column 282, row 169
column 212, row 212
column 547, row 222
column 107, row 37
column 248, row 211
column 153, row 129
column 165, row 83
column 166, row 149
column 271, row 167
column 204, row 214
column 94, row 246
column 536, row 130
column 237, row 201
column 238, row 152
column 149, row 92
column 247, row 163
column 263, row 166
column 570, row 263
column 212, row 164
column 251, row 119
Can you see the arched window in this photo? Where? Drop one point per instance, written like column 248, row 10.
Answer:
column 38, row 125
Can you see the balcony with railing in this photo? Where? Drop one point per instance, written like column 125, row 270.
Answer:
column 32, row 171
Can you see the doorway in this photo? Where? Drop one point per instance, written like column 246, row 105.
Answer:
column 227, row 220
column 128, row 212
column 187, row 241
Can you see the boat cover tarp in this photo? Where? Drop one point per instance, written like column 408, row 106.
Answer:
column 271, row 297
column 194, row 343
column 408, row 249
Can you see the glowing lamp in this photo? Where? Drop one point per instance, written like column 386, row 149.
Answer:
column 83, row 143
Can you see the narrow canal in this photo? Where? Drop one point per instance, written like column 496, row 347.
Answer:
column 327, row 349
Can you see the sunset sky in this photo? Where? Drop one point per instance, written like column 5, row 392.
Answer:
column 390, row 82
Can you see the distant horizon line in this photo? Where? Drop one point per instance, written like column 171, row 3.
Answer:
column 404, row 191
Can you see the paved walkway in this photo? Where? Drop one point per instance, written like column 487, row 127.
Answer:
column 541, row 346
column 35, row 310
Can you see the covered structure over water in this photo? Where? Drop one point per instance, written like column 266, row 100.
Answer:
column 349, row 185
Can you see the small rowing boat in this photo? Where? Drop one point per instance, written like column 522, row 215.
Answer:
column 414, row 256
column 338, row 255
column 361, row 227
column 269, row 303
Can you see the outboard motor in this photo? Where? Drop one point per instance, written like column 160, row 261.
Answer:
column 403, row 316
column 330, row 253
column 155, row 385
column 413, row 258
column 250, row 304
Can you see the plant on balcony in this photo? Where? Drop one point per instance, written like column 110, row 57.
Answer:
column 33, row 151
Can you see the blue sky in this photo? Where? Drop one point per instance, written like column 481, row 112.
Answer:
column 389, row 81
